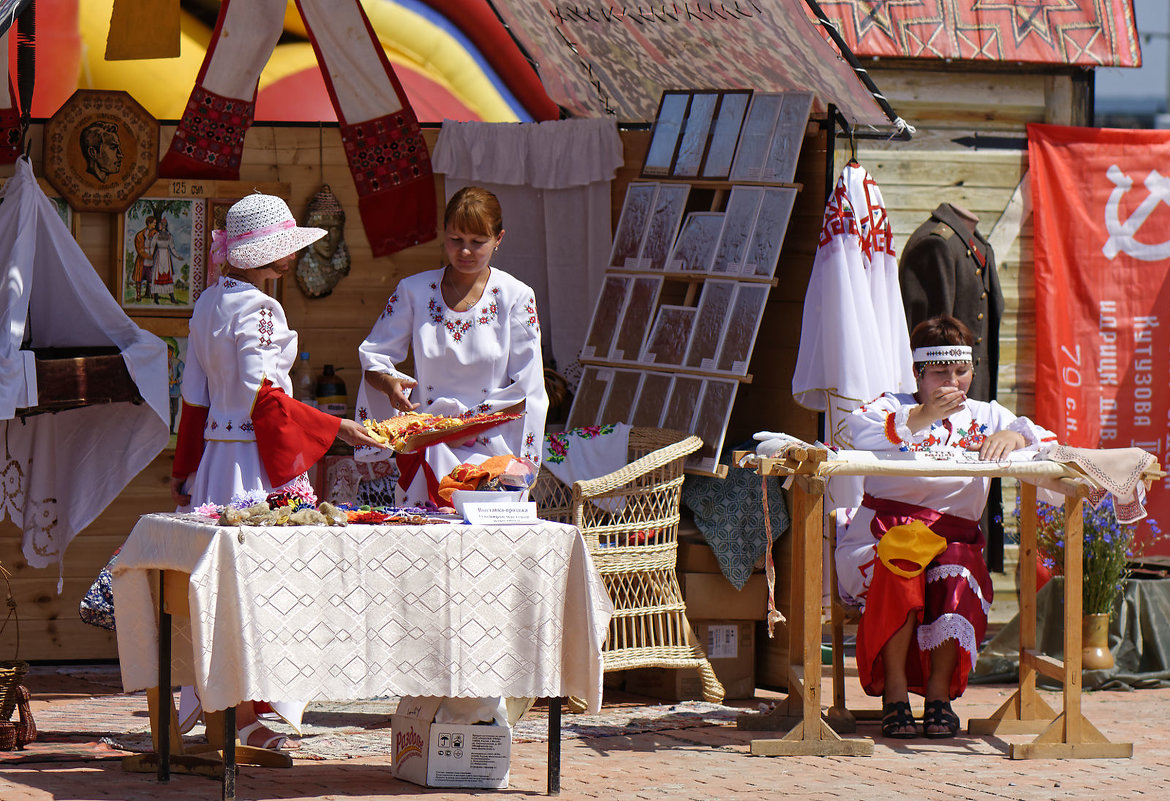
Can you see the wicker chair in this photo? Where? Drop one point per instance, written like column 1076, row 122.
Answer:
column 630, row 522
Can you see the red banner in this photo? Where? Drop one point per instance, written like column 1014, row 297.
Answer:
column 1101, row 210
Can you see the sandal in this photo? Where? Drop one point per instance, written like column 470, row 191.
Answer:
column 274, row 742
column 898, row 721
column 944, row 720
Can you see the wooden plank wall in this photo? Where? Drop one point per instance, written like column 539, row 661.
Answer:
column 330, row 329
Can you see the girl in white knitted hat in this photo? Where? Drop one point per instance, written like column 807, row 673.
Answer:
column 241, row 431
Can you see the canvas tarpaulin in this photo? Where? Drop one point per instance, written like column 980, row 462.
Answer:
column 600, row 57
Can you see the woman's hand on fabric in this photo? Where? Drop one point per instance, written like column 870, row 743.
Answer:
column 355, row 434
column 177, row 494
column 394, row 388
column 999, row 445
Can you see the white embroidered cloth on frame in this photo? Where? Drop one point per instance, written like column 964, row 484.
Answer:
column 365, row 611
column 62, row 469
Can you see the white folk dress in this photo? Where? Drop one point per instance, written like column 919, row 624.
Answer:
column 951, row 598
column 483, row 360
column 239, row 336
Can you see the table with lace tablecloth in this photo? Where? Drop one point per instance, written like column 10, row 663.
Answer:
column 362, row 611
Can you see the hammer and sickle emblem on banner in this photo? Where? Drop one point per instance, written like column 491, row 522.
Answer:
column 1122, row 235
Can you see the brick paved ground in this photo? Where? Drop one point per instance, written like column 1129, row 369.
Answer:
column 711, row 763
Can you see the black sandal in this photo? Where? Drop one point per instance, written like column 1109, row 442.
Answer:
column 939, row 715
column 896, row 717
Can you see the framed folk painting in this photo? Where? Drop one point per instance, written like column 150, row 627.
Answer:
column 162, row 255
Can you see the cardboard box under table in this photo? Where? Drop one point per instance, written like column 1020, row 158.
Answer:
column 447, row 754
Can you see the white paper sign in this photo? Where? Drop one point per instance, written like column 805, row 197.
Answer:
column 722, row 641
column 495, row 514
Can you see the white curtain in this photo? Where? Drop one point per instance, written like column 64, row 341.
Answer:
column 553, row 180
column 60, row 470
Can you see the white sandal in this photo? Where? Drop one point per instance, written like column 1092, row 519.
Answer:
column 277, row 742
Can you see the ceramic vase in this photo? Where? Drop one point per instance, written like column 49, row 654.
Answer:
column 1095, row 653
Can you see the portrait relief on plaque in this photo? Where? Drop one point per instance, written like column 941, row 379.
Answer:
column 101, row 150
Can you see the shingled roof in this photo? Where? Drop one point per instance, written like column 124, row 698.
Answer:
column 1091, row 33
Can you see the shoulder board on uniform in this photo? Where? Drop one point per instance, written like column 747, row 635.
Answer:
column 943, row 230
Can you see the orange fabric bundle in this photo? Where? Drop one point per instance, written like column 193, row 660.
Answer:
column 469, row 476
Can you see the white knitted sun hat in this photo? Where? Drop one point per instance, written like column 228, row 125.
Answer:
column 259, row 230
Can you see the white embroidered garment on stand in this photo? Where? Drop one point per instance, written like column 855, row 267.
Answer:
column 853, row 340
column 61, row 470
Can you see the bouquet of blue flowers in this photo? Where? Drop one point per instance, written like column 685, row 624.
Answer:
column 1109, row 547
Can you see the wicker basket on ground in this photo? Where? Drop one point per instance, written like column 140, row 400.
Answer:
column 629, row 519
column 12, row 671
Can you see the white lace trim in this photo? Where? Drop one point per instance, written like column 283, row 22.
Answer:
column 940, row 572
column 949, row 627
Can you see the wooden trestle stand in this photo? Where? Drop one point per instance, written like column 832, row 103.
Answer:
column 1067, row 735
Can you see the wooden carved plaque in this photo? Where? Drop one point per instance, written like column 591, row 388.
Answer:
column 101, row 150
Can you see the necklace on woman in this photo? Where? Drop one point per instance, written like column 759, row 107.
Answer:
column 467, row 297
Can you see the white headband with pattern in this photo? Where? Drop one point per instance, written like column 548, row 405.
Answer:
column 942, row 354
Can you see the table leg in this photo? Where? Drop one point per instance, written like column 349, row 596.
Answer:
column 1067, row 735
column 229, row 754
column 554, row 746
column 164, row 684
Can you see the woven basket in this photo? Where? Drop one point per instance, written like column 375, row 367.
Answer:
column 7, row 736
column 12, row 671
column 629, row 519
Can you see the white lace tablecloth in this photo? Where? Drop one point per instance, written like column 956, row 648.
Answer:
column 360, row 611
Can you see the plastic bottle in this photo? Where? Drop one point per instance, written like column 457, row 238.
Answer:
column 331, row 397
column 304, row 387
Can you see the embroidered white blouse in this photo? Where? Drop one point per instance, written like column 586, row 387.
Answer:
column 239, row 336
column 881, row 425
column 482, row 360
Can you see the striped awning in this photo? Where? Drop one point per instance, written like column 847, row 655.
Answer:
column 603, row 57
column 1092, row 33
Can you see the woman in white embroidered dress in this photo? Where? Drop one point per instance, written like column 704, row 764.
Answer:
column 241, row 431
column 163, row 254
column 921, row 633
column 473, row 333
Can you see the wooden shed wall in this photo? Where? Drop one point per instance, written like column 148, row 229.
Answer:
column 330, row 329
column 933, row 168
column 952, row 109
